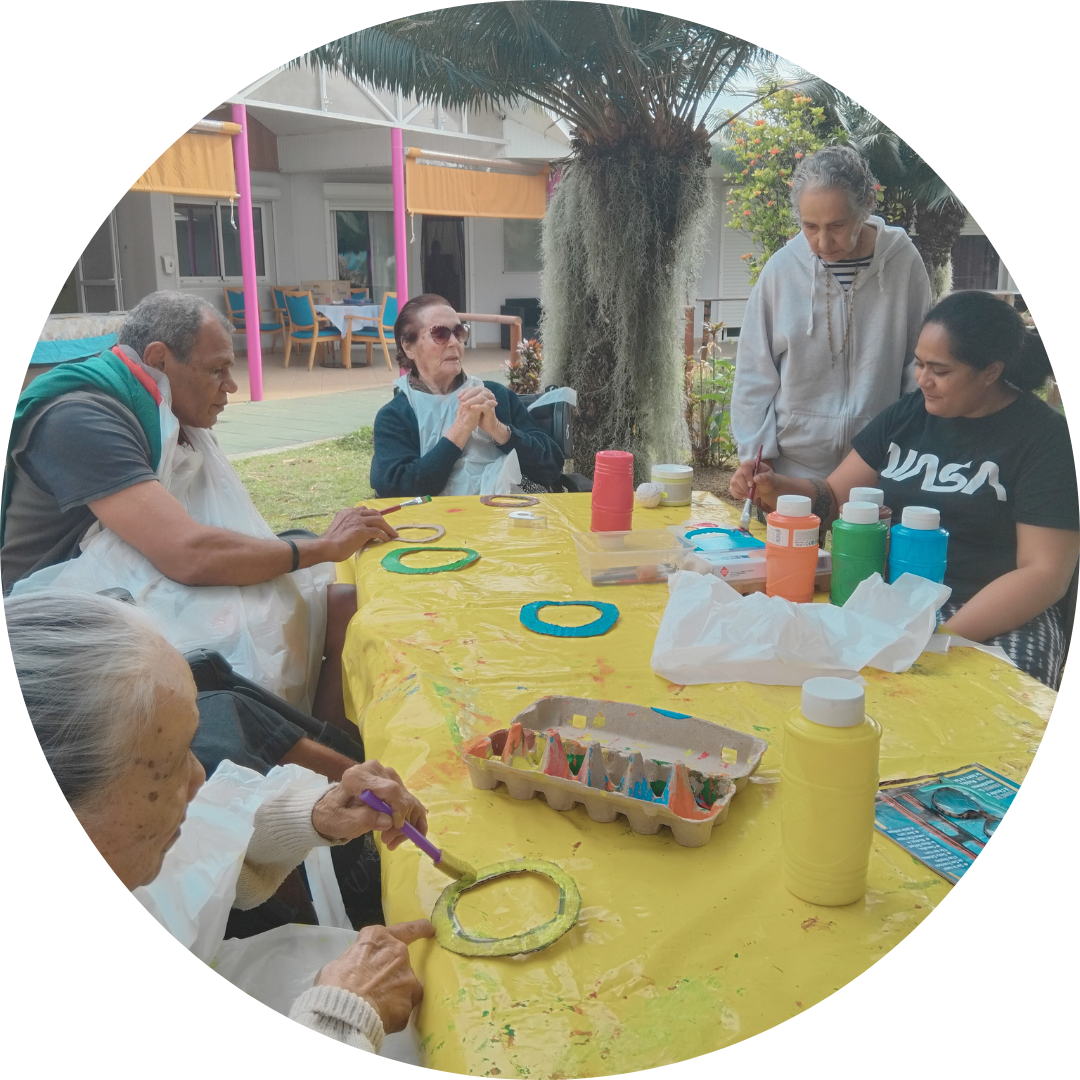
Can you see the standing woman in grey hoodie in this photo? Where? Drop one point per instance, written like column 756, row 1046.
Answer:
column 828, row 339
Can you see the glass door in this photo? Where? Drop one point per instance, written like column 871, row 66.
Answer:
column 364, row 245
column 442, row 242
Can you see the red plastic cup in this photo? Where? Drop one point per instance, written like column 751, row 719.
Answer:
column 613, row 491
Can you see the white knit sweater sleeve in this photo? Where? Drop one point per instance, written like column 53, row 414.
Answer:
column 341, row 1015
column 282, row 838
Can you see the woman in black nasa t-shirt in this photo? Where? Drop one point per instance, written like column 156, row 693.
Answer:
column 994, row 459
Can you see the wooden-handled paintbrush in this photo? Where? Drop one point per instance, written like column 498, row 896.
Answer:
column 744, row 521
column 419, row 500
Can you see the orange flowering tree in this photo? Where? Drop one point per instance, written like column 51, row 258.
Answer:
column 763, row 150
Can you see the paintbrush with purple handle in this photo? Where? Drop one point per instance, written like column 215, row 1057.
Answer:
column 446, row 862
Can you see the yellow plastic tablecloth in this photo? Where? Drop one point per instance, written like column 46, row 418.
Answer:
column 678, row 951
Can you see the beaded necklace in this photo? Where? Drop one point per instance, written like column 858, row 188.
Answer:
column 849, row 308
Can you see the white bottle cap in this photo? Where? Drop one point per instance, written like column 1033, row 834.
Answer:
column 833, row 702
column 865, row 494
column 921, row 517
column 860, row 513
column 794, row 505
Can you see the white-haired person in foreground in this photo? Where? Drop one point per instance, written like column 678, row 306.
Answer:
column 113, row 706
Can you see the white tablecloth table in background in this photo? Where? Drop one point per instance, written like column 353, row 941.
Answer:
column 336, row 314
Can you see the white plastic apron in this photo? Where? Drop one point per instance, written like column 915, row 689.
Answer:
column 272, row 633
column 482, row 469
column 194, row 891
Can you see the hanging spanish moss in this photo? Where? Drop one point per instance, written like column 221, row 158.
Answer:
column 625, row 230
column 623, row 240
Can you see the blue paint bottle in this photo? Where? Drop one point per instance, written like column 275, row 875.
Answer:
column 919, row 544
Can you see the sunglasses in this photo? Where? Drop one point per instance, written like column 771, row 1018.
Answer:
column 441, row 334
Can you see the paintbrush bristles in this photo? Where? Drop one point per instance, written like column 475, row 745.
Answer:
column 458, row 869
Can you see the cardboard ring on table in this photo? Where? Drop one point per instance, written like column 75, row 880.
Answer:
column 392, row 561
column 452, row 935
column 530, row 618
column 438, row 532
column 520, row 501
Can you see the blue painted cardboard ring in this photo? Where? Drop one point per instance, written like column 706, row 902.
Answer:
column 530, row 618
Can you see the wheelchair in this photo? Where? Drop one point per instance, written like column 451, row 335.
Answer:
column 556, row 419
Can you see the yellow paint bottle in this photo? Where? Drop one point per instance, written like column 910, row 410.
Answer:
column 828, row 780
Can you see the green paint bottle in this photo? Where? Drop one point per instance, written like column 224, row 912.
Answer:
column 858, row 548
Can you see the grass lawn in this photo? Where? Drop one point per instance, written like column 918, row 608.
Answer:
column 303, row 489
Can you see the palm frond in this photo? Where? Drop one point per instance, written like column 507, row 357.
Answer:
column 609, row 71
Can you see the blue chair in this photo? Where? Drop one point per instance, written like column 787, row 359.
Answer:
column 306, row 324
column 234, row 305
column 382, row 331
column 360, row 296
column 281, row 312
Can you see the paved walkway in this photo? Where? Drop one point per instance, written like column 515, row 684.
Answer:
column 246, row 427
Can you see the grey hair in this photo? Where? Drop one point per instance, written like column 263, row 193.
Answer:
column 836, row 168
column 87, row 667
column 173, row 318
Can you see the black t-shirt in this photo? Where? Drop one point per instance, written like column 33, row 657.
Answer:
column 984, row 475
column 78, row 448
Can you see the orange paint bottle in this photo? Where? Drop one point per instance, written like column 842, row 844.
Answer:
column 791, row 549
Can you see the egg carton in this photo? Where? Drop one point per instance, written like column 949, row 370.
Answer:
column 652, row 766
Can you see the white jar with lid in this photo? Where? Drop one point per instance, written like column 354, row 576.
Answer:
column 677, row 482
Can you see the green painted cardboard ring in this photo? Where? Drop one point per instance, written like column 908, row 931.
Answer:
column 452, row 936
column 392, row 560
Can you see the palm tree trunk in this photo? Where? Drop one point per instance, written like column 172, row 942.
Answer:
column 623, row 240
column 938, row 232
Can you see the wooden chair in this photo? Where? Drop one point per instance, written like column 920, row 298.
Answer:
column 281, row 312
column 360, row 296
column 234, row 306
column 382, row 331
column 306, row 324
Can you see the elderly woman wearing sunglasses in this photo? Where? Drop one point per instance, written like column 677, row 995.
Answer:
column 445, row 433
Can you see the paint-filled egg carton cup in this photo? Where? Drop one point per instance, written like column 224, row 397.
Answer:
column 652, row 766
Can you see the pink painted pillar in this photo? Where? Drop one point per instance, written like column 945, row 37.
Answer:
column 401, row 246
column 247, row 253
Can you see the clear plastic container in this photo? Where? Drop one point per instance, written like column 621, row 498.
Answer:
column 637, row 557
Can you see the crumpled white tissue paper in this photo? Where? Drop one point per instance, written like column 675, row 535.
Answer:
column 711, row 633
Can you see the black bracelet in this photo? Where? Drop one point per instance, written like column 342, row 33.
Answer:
column 295, row 554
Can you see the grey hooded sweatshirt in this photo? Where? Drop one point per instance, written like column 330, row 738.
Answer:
column 793, row 397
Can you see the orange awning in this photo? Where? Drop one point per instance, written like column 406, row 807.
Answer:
column 449, row 192
column 198, row 163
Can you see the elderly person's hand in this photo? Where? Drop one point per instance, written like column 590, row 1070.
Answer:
column 341, row 815
column 376, row 967
column 350, row 530
column 469, row 416
column 484, row 399
column 764, row 480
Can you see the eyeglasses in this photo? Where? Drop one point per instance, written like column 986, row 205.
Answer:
column 441, row 334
